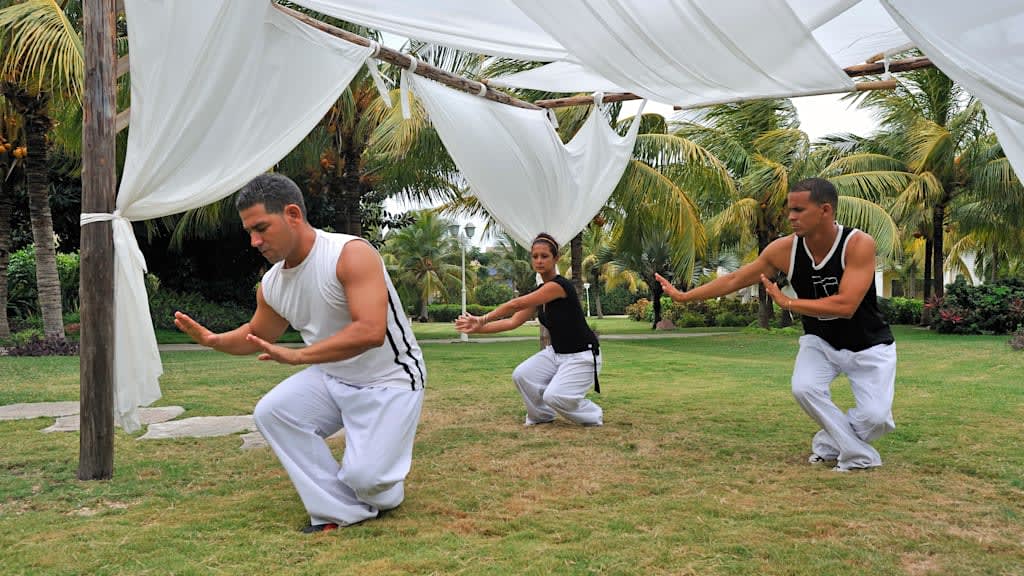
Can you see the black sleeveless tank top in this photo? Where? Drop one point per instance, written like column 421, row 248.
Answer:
column 565, row 321
column 866, row 328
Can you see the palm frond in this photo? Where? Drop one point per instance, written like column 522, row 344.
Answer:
column 43, row 49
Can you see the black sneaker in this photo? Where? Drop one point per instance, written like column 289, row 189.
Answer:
column 314, row 528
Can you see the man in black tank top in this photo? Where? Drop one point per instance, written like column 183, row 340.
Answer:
column 832, row 270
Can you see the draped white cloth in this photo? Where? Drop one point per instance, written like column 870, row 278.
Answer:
column 517, row 166
column 982, row 50
column 690, row 52
column 220, row 92
column 492, row 27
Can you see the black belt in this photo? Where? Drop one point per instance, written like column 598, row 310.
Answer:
column 596, row 350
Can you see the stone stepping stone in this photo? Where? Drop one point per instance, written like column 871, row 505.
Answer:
column 254, row 440
column 200, row 427
column 146, row 416
column 38, row 410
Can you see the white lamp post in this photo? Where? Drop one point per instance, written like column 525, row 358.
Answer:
column 463, row 237
column 586, row 288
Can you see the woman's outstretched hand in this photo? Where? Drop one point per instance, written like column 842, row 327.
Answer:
column 467, row 323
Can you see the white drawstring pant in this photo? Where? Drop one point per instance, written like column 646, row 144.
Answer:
column 553, row 383
column 380, row 425
column 872, row 374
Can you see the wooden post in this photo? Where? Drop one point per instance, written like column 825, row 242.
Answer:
column 99, row 187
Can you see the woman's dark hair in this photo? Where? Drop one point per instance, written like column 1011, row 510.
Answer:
column 548, row 239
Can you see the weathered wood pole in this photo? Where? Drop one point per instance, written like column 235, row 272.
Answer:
column 99, row 187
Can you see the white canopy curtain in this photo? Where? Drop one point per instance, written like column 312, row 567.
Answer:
column 517, row 166
column 220, row 93
column 492, row 27
column 690, row 52
column 983, row 50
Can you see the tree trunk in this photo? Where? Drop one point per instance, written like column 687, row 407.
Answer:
column 765, row 312
column 37, row 123
column 656, row 292
column 926, row 312
column 576, row 250
column 5, row 252
column 938, row 227
column 597, row 293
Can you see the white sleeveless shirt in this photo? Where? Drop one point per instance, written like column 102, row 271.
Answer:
column 313, row 301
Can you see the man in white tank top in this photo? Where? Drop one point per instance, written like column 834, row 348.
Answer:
column 366, row 371
column 832, row 271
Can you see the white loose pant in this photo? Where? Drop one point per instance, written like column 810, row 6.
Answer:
column 553, row 383
column 380, row 424
column 872, row 375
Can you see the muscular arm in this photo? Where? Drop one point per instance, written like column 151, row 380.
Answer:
column 857, row 278
column 265, row 323
column 773, row 258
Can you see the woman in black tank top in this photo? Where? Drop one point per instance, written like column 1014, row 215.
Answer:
column 556, row 379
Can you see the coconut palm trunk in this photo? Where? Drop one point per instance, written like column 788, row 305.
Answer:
column 576, row 249
column 33, row 109
column 938, row 224
column 5, row 252
column 595, row 283
column 926, row 312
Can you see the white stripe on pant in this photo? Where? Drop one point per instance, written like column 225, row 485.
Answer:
column 553, row 383
column 380, row 425
column 872, row 375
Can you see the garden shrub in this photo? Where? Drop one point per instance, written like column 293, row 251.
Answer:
column 994, row 308
column 38, row 345
column 900, row 310
column 639, row 310
column 491, row 293
column 215, row 316
column 22, row 296
column 616, row 301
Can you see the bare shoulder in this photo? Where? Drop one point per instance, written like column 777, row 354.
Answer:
column 358, row 260
column 777, row 252
column 861, row 241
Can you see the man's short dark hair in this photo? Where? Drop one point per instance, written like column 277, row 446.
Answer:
column 274, row 191
column 822, row 191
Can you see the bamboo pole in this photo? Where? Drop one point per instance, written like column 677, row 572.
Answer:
column 397, row 58
column 96, row 368
column 587, row 99
column 875, row 68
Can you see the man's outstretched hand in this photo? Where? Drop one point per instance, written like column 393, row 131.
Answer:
column 274, row 352
column 195, row 330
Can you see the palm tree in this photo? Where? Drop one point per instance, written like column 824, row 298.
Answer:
column 644, row 252
column 987, row 226
column 512, row 262
column 423, row 257
column 43, row 59
column 932, row 132
column 765, row 151
column 7, row 165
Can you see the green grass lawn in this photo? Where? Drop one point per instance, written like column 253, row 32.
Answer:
column 699, row 469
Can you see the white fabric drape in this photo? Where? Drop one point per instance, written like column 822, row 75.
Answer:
column 982, row 50
column 492, row 27
column 517, row 166
column 689, row 52
column 220, row 92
